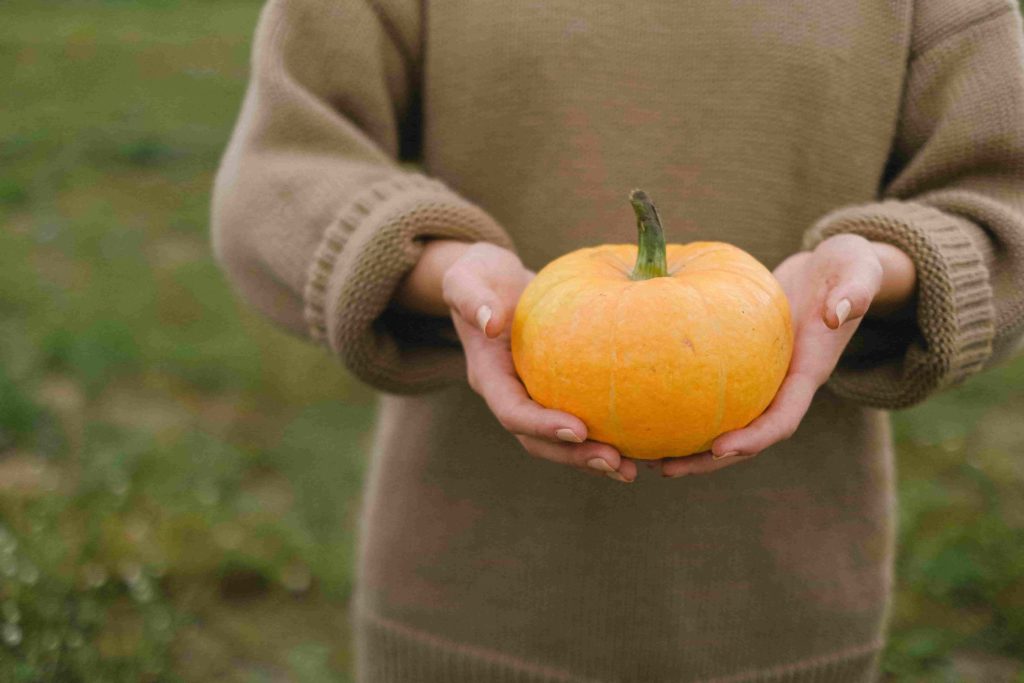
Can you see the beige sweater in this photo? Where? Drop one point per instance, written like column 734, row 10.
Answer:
column 769, row 125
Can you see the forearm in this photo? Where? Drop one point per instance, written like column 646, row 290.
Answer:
column 421, row 290
column 897, row 293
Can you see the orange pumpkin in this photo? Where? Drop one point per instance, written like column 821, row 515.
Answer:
column 660, row 357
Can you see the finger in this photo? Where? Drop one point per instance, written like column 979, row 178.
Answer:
column 627, row 470
column 702, row 463
column 468, row 293
column 856, row 285
column 776, row 424
column 508, row 400
column 591, row 456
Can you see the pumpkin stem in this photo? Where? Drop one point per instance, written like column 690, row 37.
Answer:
column 650, row 258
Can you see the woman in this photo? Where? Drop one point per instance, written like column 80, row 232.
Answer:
column 871, row 152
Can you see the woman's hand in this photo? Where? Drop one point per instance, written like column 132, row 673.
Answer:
column 829, row 292
column 480, row 285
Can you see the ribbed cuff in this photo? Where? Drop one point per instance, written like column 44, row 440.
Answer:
column 955, row 316
column 362, row 258
column 388, row 652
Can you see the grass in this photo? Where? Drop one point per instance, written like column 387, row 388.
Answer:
column 178, row 479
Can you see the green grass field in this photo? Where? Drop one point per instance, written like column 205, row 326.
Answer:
column 178, row 480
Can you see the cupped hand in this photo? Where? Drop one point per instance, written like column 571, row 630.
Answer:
column 481, row 288
column 829, row 291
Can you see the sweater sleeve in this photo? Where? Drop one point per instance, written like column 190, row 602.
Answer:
column 315, row 220
column 953, row 199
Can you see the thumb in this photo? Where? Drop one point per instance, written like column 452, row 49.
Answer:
column 468, row 293
column 855, row 288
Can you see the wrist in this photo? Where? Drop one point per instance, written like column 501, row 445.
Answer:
column 898, row 291
column 421, row 290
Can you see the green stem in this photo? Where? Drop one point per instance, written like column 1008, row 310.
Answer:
column 650, row 258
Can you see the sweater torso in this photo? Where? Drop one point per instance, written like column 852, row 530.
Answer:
column 745, row 121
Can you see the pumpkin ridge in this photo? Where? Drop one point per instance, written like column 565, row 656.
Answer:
column 521, row 323
column 582, row 303
column 760, row 285
column 618, row 261
column 572, row 288
column 723, row 372
column 686, row 264
column 612, row 412
column 537, row 298
column 747, row 276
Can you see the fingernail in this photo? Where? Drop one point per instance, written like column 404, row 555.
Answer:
column 843, row 310
column 569, row 435
column 483, row 316
column 676, row 475
column 618, row 477
column 723, row 456
column 600, row 464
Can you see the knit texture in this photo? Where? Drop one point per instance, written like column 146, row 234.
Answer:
column 954, row 303
column 359, row 264
column 370, row 127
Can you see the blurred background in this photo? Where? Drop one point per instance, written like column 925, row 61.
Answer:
column 179, row 480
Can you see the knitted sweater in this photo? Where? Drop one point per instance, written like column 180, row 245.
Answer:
column 770, row 125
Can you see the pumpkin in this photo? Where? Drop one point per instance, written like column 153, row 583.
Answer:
column 657, row 349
